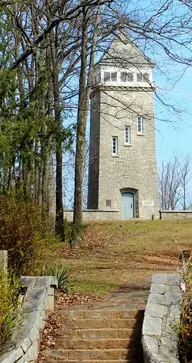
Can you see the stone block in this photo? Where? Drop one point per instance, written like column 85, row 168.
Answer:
column 156, row 310
column 150, row 345
column 160, row 278
column 24, row 343
column 174, row 279
column 156, row 299
column 50, row 302
column 166, row 341
column 12, row 356
column 157, row 289
column 32, row 352
column 175, row 311
column 171, row 324
column 173, row 360
column 28, row 281
column 157, row 358
column 173, row 298
column 152, row 326
column 23, row 359
column 168, row 351
column 35, row 299
column 46, row 281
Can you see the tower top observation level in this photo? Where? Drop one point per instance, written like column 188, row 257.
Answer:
column 123, row 65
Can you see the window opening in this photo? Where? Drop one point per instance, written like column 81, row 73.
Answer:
column 126, row 77
column 115, row 145
column 140, row 125
column 146, row 77
column 106, row 76
column 127, row 135
column 139, row 77
column 142, row 77
column 108, row 203
column 130, row 77
column 114, row 76
column 123, row 77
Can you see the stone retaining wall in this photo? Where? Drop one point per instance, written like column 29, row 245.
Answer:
column 25, row 340
column 165, row 214
column 94, row 215
column 159, row 338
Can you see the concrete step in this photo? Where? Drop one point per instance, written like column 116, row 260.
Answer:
column 100, row 323
column 102, row 314
column 104, row 333
column 132, row 360
column 102, row 354
column 93, row 355
column 98, row 344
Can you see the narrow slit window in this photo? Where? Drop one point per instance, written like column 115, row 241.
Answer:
column 108, row 203
column 114, row 145
column 146, row 77
column 140, row 125
column 114, row 76
column 139, row 77
column 127, row 135
column 107, row 77
column 130, row 77
column 123, row 77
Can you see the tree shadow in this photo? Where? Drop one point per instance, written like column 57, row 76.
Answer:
column 134, row 347
column 137, row 295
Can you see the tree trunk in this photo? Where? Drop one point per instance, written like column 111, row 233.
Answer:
column 81, row 126
column 84, row 94
column 59, row 222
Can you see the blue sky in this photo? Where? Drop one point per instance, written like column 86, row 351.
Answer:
column 174, row 136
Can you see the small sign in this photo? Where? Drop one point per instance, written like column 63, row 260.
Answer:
column 148, row 203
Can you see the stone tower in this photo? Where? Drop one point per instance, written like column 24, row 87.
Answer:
column 122, row 165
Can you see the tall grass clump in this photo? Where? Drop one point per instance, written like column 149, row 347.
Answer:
column 21, row 224
column 9, row 304
column 61, row 272
column 185, row 328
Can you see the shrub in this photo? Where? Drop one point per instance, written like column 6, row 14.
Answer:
column 19, row 223
column 61, row 272
column 9, row 296
column 185, row 328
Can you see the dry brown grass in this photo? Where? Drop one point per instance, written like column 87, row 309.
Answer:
column 112, row 254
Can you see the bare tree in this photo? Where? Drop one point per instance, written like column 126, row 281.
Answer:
column 174, row 176
column 50, row 42
column 85, row 85
column 185, row 172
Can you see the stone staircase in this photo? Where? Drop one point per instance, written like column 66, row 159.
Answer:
column 106, row 332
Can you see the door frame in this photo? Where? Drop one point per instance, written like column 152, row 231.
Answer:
column 135, row 193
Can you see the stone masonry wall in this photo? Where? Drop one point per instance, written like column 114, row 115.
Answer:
column 94, row 215
column 25, row 340
column 135, row 165
column 159, row 338
column 167, row 214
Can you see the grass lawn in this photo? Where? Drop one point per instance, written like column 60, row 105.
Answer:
column 117, row 253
